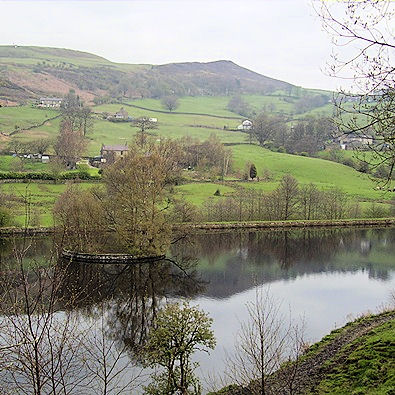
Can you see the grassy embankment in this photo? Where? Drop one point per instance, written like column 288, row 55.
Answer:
column 364, row 366
column 355, row 359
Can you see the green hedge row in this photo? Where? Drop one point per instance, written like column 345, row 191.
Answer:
column 80, row 175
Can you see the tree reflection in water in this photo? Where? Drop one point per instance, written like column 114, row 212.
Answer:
column 123, row 300
column 132, row 294
column 115, row 305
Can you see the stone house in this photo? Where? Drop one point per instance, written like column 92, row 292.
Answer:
column 50, row 102
column 111, row 153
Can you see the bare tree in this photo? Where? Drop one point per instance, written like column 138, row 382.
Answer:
column 239, row 106
column 85, row 120
column 107, row 362
column 288, row 194
column 170, row 102
column 265, row 127
column 16, row 146
column 40, row 145
column 260, row 345
column 309, row 199
column 143, row 124
column 69, row 145
column 42, row 355
column 364, row 27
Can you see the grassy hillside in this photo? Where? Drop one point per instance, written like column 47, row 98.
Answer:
column 23, row 117
column 368, row 365
column 39, row 70
column 25, row 55
column 321, row 172
column 355, row 359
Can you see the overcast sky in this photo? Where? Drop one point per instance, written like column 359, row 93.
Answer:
column 279, row 38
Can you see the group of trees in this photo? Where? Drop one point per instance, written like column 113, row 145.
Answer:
column 38, row 146
column 209, row 156
column 306, row 136
column 131, row 202
column 288, row 201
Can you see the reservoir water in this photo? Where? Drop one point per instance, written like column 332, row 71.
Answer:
column 324, row 277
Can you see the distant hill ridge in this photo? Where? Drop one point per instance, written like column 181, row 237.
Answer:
column 29, row 72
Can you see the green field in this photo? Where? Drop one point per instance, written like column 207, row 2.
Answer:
column 22, row 116
column 41, row 198
column 198, row 193
column 169, row 125
column 321, row 172
column 215, row 105
column 9, row 163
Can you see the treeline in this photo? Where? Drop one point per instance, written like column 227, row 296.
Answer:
column 304, row 103
column 305, row 137
column 289, row 201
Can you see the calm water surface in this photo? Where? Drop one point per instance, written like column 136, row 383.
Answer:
column 325, row 276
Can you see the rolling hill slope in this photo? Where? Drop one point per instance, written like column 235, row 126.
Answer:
column 28, row 72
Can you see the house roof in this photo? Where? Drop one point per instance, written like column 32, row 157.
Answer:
column 116, row 147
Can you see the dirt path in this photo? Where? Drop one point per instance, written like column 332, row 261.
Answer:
column 312, row 370
column 305, row 375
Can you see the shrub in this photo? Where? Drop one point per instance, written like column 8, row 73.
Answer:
column 348, row 162
column 363, row 167
column 5, row 217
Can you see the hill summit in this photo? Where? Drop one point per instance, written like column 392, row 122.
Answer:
column 30, row 72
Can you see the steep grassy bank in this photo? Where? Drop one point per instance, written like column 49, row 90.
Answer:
column 358, row 358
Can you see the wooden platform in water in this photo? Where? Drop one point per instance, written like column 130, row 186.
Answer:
column 109, row 258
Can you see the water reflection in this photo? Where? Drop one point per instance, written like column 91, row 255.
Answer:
column 325, row 274
column 234, row 262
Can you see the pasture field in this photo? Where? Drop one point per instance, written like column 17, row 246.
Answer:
column 217, row 105
column 170, row 125
column 41, row 196
column 105, row 132
column 22, row 116
column 9, row 163
column 213, row 105
column 324, row 173
column 198, row 193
